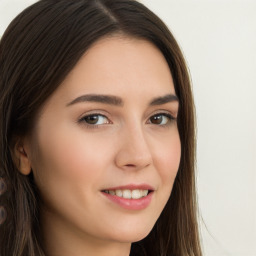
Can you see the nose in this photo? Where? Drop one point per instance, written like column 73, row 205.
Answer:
column 134, row 152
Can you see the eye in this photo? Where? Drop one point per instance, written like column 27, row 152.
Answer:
column 95, row 119
column 161, row 119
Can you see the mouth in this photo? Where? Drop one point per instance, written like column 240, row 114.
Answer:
column 130, row 197
column 128, row 194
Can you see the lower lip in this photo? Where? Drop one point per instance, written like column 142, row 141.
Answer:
column 131, row 204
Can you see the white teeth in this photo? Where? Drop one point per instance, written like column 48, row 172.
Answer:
column 128, row 194
column 136, row 194
column 119, row 193
column 144, row 192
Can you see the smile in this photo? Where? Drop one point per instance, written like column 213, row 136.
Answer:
column 128, row 194
column 131, row 197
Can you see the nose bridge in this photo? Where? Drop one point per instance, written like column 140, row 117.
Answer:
column 134, row 151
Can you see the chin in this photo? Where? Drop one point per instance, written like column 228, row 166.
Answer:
column 131, row 235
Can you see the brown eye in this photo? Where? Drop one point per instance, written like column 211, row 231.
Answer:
column 161, row 119
column 156, row 119
column 95, row 119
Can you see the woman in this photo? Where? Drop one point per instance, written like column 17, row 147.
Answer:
column 97, row 133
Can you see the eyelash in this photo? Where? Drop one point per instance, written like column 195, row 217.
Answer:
column 93, row 126
column 169, row 116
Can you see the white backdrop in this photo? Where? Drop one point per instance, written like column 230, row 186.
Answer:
column 218, row 38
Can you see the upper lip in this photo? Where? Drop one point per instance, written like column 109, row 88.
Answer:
column 132, row 187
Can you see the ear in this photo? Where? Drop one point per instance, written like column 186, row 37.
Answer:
column 22, row 159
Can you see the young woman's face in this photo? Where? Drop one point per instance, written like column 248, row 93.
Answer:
column 107, row 134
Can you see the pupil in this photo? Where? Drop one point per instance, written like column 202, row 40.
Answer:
column 157, row 119
column 92, row 119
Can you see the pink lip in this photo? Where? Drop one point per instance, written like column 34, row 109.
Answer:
column 132, row 187
column 131, row 204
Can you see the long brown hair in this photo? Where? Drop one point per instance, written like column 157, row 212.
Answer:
column 39, row 48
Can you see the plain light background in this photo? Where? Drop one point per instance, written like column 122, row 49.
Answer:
column 218, row 38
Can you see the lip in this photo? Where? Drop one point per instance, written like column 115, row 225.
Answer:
column 131, row 204
column 132, row 187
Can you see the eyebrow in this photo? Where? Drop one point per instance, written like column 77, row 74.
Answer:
column 117, row 101
column 164, row 99
column 105, row 99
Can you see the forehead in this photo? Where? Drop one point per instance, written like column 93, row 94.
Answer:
column 120, row 66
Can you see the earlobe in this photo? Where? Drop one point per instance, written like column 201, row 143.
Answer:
column 23, row 162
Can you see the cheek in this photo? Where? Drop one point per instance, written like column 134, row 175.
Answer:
column 169, row 157
column 168, row 160
column 70, row 160
column 68, row 169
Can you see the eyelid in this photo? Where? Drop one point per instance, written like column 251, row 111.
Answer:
column 81, row 119
column 164, row 113
column 94, row 112
column 172, row 114
column 167, row 113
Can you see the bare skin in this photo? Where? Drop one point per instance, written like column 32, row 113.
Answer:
column 82, row 146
